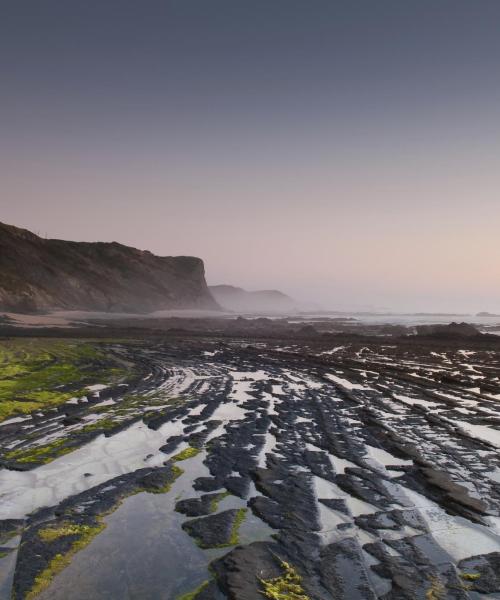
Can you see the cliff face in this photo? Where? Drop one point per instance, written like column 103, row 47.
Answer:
column 39, row 275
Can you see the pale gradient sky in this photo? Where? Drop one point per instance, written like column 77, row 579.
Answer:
column 347, row 153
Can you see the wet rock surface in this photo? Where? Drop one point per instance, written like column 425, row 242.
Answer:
column 195, row 507
column 370, row 467
column 214, row 531
column 482, row 573
column 236, row 571
column 53, row 532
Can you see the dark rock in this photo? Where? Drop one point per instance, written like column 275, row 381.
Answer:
column 196, row 507
column 335, row 504
column 238, row 486
column 10, row 528
column 487, row 566
column 172, row 444
column 213, row 531
column 269, row 511
column 207, row 484
column 453, row 330
column 158, row 479
column 343, row 571
column 238, row 572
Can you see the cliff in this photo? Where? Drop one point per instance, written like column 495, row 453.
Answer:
column 39, row 275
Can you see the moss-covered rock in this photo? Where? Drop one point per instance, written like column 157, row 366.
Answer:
column 287, row 586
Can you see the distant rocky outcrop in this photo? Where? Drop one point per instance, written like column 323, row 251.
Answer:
column 453, row 330
column 260, row 302
column 39, row 275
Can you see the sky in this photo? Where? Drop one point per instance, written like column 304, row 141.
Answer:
column 347, row 153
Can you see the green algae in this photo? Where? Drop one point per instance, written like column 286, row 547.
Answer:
column 192, row 595
column 470, row 576
column 85, row 533
column 41, row 454
column 37, row 374
column 188, row 452
column 64, row 529
column 240, row 517
column 287, row 586
column 214, row 503
column 46, row 453
column 105, row 423
column 437, row 591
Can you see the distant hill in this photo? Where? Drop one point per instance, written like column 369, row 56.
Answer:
column 39, row 275
column 260, row 302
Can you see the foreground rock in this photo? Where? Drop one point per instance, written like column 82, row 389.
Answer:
column 53, row 535
column 217, row 530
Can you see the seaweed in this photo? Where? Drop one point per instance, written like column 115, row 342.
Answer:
column 192, row 595
column 287, row 586
column 188, row 452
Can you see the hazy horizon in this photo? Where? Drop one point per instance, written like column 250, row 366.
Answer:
column 347, row 154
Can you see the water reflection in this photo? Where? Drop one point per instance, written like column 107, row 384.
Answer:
column 143, row 553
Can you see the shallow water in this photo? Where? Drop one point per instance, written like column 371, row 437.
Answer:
column 144, row 553
column 7, row 566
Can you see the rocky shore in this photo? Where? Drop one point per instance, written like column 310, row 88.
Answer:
column 316, row 468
